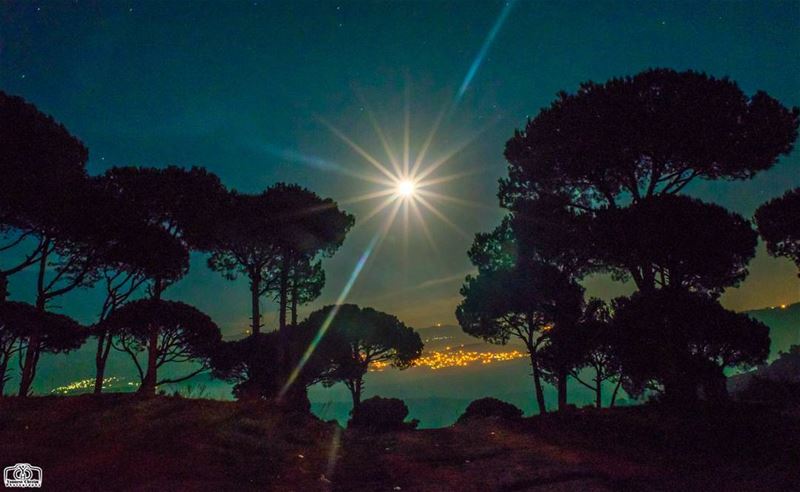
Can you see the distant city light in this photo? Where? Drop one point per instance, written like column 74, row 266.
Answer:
column 455, row 358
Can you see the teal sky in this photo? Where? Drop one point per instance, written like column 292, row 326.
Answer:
column 240, row 88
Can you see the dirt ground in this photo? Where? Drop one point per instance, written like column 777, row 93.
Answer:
column 120, row 442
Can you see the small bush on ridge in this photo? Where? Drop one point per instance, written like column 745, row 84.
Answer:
column 490, row 407
column 381, row 414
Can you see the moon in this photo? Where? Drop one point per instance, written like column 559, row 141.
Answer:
column 406, row 188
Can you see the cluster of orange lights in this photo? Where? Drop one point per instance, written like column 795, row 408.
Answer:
column 455, row 358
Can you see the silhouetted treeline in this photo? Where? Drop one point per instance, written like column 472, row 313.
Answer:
column 594, row 186
column 130, row 232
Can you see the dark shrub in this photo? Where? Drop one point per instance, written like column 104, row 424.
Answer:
column 763, row 390
column 381, row 414
column 490, row 407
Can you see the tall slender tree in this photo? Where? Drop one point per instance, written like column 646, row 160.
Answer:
column 306, row 280
column 525, row 302
column 147, row 252
column 305, row 226
column 40, row 164
column 273, row 239
column 244, row 243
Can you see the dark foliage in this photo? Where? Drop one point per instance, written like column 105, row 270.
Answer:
column 681, row 342
column 652, row 133
column 787, row 366
column 490, row 407
column 143, row 251
column 776, row 392
column 252, row 364
column 675, row 241
column 548, row 230
column 305, row 226
column 40, row 163
column 378, row 414
column 778, row 224
column 244, row 244
column 186, row 203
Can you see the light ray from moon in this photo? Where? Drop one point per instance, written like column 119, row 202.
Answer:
column 373, row 245
column 487, row 43
column 403, row 189
column 360, row 151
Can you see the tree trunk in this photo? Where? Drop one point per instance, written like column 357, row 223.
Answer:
column 101, row 357
column 255, row 291
column 29, row 366
column 100, row 364
column 614, row 394
column 561, row 385
column 355, row 392
column 148, row 387
column 26, row 376
column 294, row 297
column 3, row 368
column 34, row 341
column 3, row 287
column 284, row 292
column 158, row 288
column 598, row 393
column 537, row 385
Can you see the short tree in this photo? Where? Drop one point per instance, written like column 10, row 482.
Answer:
column 778, row 225
column 170, row 332
column 680, row 342
column 379, row 414
column 358, row 337
column 490, row 407
column 251, row 365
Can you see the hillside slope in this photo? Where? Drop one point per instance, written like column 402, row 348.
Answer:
column 121, row 442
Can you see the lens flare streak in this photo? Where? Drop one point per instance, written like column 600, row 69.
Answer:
column 371, row 247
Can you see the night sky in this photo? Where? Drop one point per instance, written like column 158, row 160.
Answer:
column 245, row 88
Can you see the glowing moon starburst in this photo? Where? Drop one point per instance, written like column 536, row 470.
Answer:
column 406, row 179
column 406, row 188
